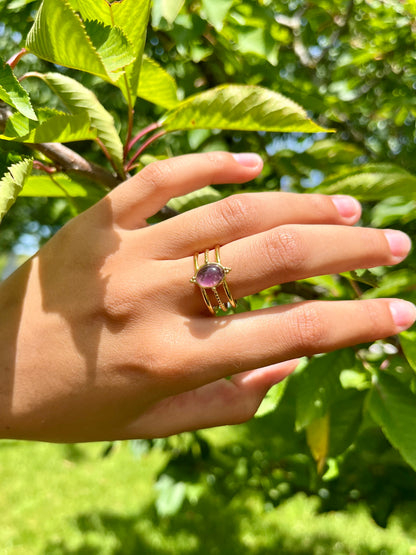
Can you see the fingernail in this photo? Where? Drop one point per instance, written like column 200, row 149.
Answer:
column 404, row 313
column 248, row 159
column 399, row 243
column 346, row 206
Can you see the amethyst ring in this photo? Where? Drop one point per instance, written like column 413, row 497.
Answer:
column 208, row 277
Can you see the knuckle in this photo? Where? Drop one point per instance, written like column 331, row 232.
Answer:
column 285, row 246
column 156, row 175
column 308, row 329
column 238, row 211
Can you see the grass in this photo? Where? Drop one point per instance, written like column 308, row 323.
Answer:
column 59, row 499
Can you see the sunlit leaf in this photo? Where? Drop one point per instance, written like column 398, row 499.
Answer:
column 131, row 17
column 165, row 10
column 372, row 182
column 111, row 45
column 12, row 183
column 156, row 85
column 53, row 127
column 58, row 35
column 317, row 436
column 80, row 100
column 12, row 92
column 239, row 107
column 61, row 185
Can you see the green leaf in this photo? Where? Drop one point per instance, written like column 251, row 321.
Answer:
column 156, row 85
column 113, row 47
column 317, row 436
column 272, row 399
column 61, row 185
column 216, row 11
column 371, row 182
column 12, row 92
column 131, row 17
column 167, row 10
column 195, row 199
column 318, row 385
column 408, row 344
column 239, row 107
column 58, row 35
column 392, row 284
column 393, row 407
column 54, row 127
column 80, row 100
column 12, row 183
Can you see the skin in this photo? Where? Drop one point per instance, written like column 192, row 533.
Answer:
column 104, row 336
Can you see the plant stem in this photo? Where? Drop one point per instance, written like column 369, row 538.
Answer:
column 140, row 151
column 109, row 158
column 142, row 133
column 14, row 60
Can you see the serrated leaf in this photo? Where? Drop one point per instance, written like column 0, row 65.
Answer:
column 131, row 16
column 12, row 183
column 194, row 199
column 53, row 127
column 393, row 407
column 61, row 185
column 371, row 182
column 12, row 92
column 362, row 276
column 80, row 100
column 111, row 44
column 239, row 107
column 319, row 385
column 317, row 437
column 58, row 35
column 156, row 85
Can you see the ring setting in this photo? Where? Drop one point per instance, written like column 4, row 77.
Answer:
column 211, row 276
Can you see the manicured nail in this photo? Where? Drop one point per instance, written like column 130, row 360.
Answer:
column 346, row 206
column 404, row 313
column 399, row 243
column 248, row 159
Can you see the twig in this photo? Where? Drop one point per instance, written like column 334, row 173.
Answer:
column 71, row 162
column 14, row 60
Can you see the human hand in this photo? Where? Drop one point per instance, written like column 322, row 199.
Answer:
column 104, row 337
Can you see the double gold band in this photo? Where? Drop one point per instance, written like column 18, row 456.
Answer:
column 211, row 276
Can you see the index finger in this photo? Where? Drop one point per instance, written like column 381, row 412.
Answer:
column 147, row 192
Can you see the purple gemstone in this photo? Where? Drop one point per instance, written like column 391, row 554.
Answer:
column 210, row 275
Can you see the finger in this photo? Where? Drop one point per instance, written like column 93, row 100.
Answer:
column 147, row 192
column 238, row 343
column 293, row 252
column 216, row 404
column 246, row 214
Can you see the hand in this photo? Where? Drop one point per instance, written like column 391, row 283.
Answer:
column 104, row 337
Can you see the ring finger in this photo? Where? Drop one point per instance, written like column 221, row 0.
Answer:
column 293, row 252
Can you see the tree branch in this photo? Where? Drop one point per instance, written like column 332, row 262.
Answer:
column 71, row 162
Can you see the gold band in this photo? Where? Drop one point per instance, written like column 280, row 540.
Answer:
column 209, row 277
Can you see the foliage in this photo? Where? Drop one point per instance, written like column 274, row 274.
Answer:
column 343, row 424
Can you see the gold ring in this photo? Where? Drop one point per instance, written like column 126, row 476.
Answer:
column 208, row 277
